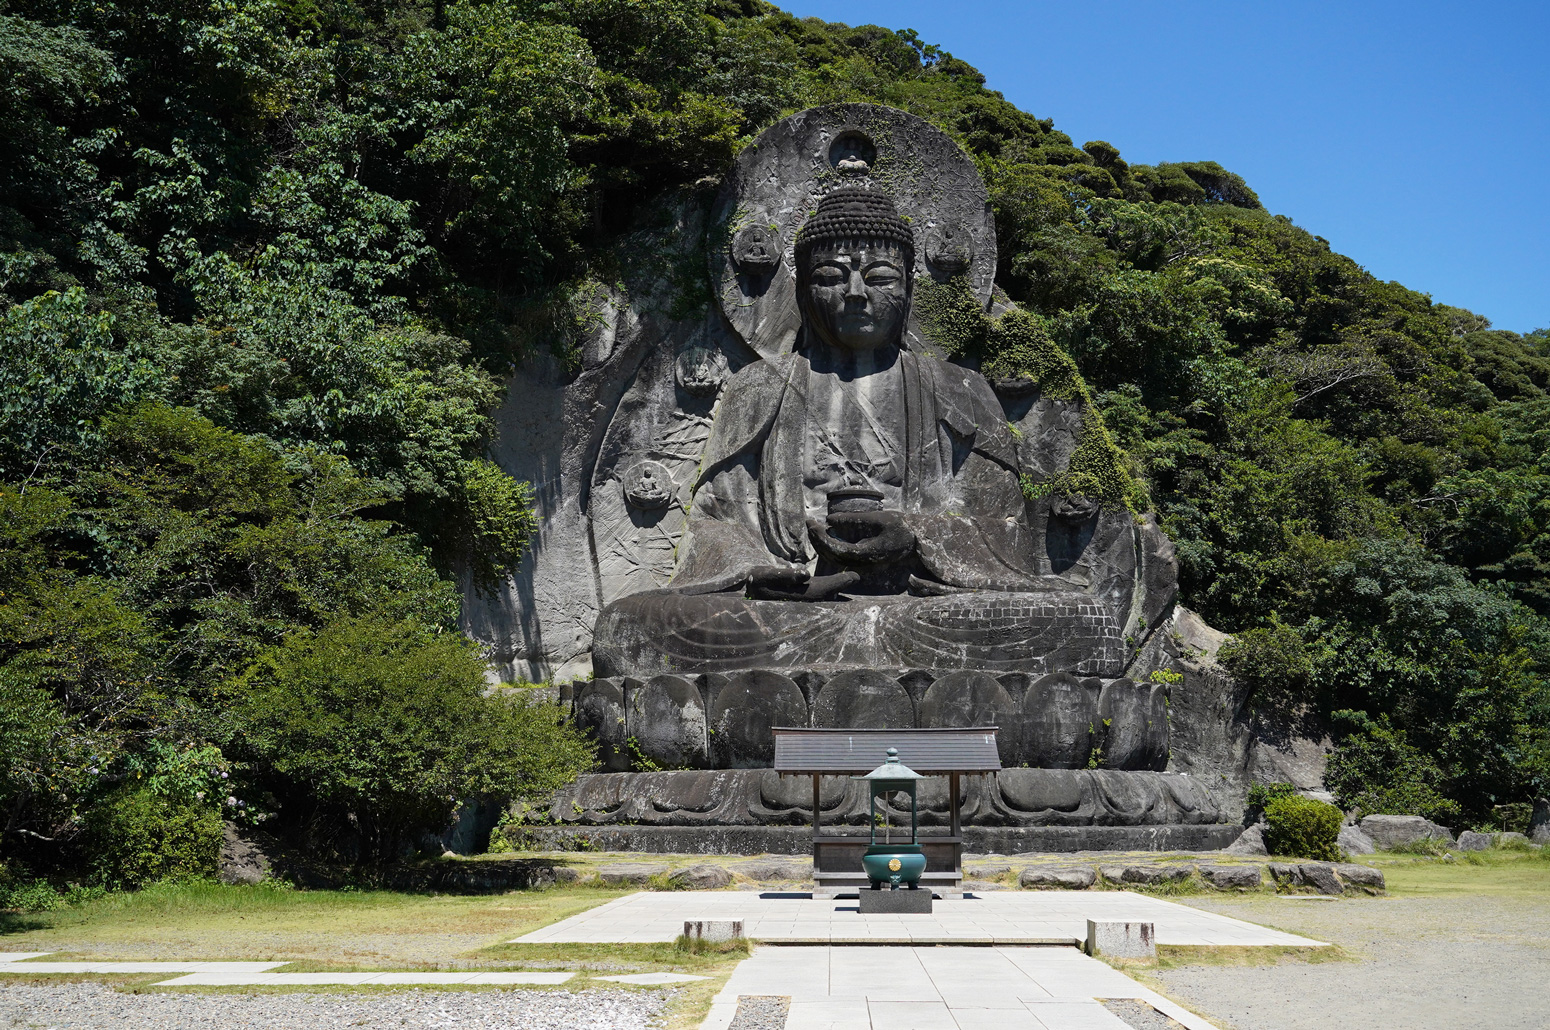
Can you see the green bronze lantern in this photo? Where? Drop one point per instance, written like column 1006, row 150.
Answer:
column 890, row 863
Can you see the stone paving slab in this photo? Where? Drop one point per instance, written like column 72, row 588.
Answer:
column 938, row 988
column 1029, row 918
column 211, row 968
column 362, row 979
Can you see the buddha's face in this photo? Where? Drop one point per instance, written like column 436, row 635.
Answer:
column 856, row 294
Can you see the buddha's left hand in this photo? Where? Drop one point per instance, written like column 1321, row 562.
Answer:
column 881, row 537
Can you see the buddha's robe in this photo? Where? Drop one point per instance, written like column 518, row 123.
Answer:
column 933, row 438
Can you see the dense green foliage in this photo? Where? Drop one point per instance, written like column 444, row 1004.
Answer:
column 1300, row 827
column 264, row 263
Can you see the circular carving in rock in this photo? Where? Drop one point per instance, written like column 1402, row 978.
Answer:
column 969, row 698
column 745, row 712
column 864, row 699
column 700, row 370
column 649, row 486
column 666, row 717
column 756, row 250
column 1063, row 723
column 949, row 250
column 1136, row 716
column 779, row 178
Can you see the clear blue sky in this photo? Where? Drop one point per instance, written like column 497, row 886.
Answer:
column 1415, row 137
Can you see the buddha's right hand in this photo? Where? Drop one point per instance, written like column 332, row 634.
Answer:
column 778, row 583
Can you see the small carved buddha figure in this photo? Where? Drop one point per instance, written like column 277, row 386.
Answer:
column 858, row 505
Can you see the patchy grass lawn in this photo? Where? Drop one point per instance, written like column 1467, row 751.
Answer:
column 1499, row 872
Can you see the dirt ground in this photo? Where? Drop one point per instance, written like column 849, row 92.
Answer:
column 1460, row 947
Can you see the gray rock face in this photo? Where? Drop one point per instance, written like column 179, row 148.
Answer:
column 702, row 877
column 1539, row 822
column 1511, row 839
column 1250, row 842
column 1285, row 874
column 1392, row 831
column 1229, row 877
column 1354, row 842
column 632, row 875
column 243, row 859
column 1320, row 877
column 775, row 870
column 759, row 797
column 1149, row 874
column 1361, row 875
column 1469, row 840
column 1061, row 879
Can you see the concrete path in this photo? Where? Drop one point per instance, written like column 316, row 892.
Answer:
column 1022, row 917
column 937, row 988
column 257, row 974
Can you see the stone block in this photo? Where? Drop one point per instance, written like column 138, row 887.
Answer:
column 1321, row 877
column 1354, row 842
column 891, row 901
column 713, row 931
column 1469, row 840
column 1125, row 940
column 1228, row 877
column 703, row 877
column 1512, row 840
column 1361, row 875
column 774, row 870
column 1150, row 874
column 629, row 875
column 1393, row 831
column 987, row 872
column 1060, row 879
column 1285, row 874
column 1539, row 822
column 1250, row 842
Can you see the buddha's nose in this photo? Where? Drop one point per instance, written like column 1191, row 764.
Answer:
column 855, row 289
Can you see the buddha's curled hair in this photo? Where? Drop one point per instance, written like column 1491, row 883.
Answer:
column 855, row 213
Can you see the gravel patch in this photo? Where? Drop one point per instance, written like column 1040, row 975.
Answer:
column 760, row 1012
column 1138, row 1015
column 1421, row 963
column 93, row 1006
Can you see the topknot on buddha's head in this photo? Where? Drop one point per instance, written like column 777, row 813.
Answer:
column 857, row 213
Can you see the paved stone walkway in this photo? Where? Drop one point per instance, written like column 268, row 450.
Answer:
column 1022, row 917
column 938, row 988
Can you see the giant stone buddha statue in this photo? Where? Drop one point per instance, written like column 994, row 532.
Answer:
column 858, row 505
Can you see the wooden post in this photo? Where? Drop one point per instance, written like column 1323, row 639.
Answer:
column 817, row 812
column 956, row 821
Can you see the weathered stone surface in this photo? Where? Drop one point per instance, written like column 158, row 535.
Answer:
column 1250, row 842
column 631, row 874
column 1135, row 720
column 666, row 718
column 1228, row 877
column 1285, row 874
column 702, row 877
column 1539, row 822
column 1321, row 877
column 1062, row 722
column 745, row 711
column 1150, row 874
column 1121, row 940
column 1469, row 840
column 714, row 931
column 864, row 697
column 777, row 181
column 243, row 858
column 1392, row 831
column 1063, row 879
column 986, row 871
column 889, row 902
column 1512, row 839
column 1354, row 842
column 1361, row 875
column 599, row 711
column 774, row 870
column 969, row 698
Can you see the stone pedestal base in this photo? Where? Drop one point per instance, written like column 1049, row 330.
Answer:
column 895, row 901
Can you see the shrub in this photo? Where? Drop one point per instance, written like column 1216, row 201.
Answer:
column 386, row 725
column 1377, row 771
column 1303, row 828
column 1262, row 794
column 30, row 896
column 138, row 837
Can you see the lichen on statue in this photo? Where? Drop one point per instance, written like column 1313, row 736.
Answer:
column 859, row 504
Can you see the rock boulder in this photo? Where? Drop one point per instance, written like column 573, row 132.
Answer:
column 1393, row 831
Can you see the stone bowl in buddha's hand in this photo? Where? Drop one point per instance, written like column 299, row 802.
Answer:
column 858, row 538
